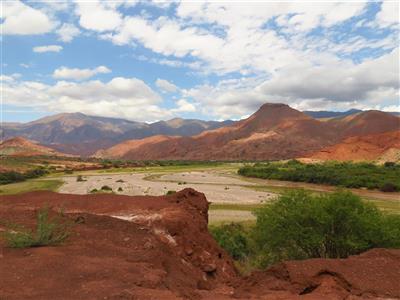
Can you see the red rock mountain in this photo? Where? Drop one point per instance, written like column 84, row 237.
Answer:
column 367, row 122
column 381, row 146
column 19, row 146
column 275, row 131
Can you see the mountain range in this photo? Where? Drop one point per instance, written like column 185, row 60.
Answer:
column 80, row 134
column 275, row 131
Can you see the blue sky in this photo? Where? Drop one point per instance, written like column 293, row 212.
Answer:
column 148, row 61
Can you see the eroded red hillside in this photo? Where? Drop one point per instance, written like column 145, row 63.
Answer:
column 19, row 146
column 368, row 147
column 145, row 247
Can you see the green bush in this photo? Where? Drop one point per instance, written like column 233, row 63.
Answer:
column 170, row 192
column 389, row 187
column 120, row 189
column 80, row 178
column 106, row 188
column 12, row 176
column 233, row 238
column 344, row 174
column 48, row 232
column 299, row 225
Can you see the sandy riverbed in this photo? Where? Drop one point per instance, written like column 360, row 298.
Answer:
column 218, row 188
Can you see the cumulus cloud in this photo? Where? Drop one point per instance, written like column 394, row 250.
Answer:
column 166, row 86
column 97, row 16
column 123, row 97
column 22, row 19
column 184, row 106
column 372, row 84
column 389, row 14
column 79, row 74
column 48, row 48
column 67, row 32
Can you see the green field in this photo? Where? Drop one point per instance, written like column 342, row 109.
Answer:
column 29, row 186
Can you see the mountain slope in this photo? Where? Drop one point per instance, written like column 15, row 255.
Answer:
column 22, row 147
column 77, row 133
column 367, row 122
column 322, row 114
column 381, row 146
column 275, row 131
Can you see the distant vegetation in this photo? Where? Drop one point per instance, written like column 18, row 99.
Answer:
column 12, row 176
column 344, row 174
column 49, row 231
column 300, row 225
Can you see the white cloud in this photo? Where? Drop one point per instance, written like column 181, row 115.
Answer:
column 122, row 97
column 48, row 48
column 21, row 19
column 67, row 32
column 184, row 106
column 333, row 85
column 79, row 74
column 389, row 14
column 6, row 78
column 166, row 86
column 97, row 16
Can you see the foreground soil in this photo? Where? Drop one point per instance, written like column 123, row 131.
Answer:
column 148, row 247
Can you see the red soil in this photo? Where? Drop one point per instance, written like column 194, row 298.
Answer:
column 164, row 251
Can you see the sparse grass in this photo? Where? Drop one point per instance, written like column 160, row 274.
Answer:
column 48, row 232
column 229, row 206
column 29, row 186
column 390, row 206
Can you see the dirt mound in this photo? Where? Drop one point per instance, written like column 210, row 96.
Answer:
column 19, row 146
column 369, row 147
column 154, row 246
column 146, row 247
column 371, row 275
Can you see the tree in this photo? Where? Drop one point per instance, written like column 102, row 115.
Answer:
column 301, row 225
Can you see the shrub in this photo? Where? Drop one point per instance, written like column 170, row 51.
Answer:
column 389, row 164
column 389, row 187
column 80, row 178
column 11, row 177
column 170, row 192
column 93, row 191
column 120, row 189
column 233, row 238
column 106, row 188
column 299, row 225
column 48, row 232
column 345, row 174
